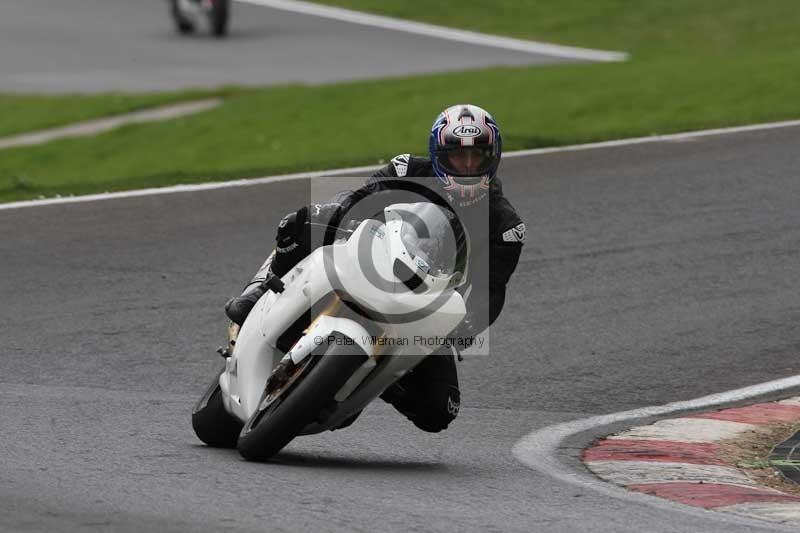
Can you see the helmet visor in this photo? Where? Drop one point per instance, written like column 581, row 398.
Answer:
column 467, row 161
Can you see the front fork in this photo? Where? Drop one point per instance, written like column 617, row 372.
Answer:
column 326, row 329
column 233, row 332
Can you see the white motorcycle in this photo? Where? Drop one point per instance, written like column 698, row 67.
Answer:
column 188, row 15
column 353, row 317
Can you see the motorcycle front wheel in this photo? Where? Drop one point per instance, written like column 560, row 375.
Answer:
column 283, row 415
column 182, row 24
column 211, row 422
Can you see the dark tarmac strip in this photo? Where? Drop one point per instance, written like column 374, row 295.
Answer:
column 652, row 273
column 130, row 45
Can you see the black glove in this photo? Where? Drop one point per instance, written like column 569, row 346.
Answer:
column 310, row 226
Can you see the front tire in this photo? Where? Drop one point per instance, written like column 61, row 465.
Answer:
column 211, row 422
column 306, row 395
column 183, row 25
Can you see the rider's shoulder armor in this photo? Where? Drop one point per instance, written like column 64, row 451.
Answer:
column 406, row 165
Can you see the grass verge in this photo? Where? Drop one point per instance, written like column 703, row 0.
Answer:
column 647, row 29
column 694, row 65
column 751, row 453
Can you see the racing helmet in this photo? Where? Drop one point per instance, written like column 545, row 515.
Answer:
column 465, row 149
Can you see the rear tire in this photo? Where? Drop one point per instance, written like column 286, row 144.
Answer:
column 212, row 423
column 274, row 426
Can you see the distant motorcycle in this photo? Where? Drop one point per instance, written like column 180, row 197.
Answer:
column 343, row 320
column 189, row 15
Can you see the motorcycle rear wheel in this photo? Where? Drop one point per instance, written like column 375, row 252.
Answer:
column 211, row 422
column 275, row 424
column 218, row 16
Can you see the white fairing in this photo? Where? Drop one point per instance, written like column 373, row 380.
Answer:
column 191, row 9
column 434, row 311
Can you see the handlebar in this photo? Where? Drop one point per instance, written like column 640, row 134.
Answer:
column 327, row 227
column 273, row 283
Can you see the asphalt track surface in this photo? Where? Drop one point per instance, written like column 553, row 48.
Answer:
column 130, row 45
column 653, row 273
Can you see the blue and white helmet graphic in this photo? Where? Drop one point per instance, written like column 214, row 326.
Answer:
column 465, row 148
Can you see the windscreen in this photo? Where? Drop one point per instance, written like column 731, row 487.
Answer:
column 434, row 238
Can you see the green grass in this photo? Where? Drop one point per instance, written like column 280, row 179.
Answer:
column 22, row 112
column 694, row 65
column 646, row 28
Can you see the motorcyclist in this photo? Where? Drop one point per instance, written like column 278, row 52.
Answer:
column 465, row 148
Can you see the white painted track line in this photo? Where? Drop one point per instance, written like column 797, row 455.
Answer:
column 95, row 127
column 359, row 170
column 440, row 32
column 187, row 188
column 686, row 430
column 774, row 511
column 644, row 472
column 683, row 136
column 540, row 449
